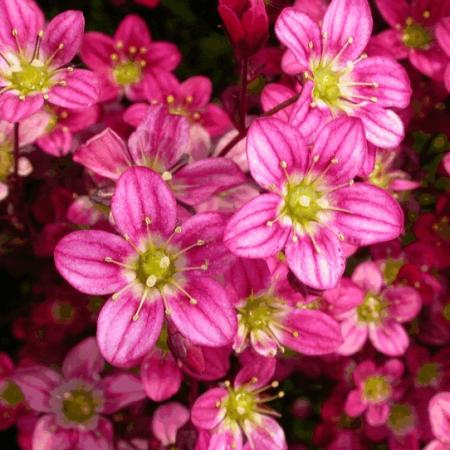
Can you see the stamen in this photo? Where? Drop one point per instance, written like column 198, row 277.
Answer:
column 199, row 243
column 15, row 34
column 332, row 163
column 348, row 42
column 37, row 45
column 117, row 294
column 128, row 239
column 269, row 223
column 118, row 263
column 177, row 230
column 363, row 97
column 283, row 165
column 313, row 240
column 314, row 160
column 371, row 84
column 52, row 56
column 166, row 176
column 141, row 304
column 336, row 188
column 166, row 305
column 192, row 300
column 203, row 267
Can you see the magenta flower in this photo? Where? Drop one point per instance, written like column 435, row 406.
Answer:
column 369, row 309
column 233, row 410
column 154, row 267
column 161, row 143
column 270, row 317
column 413, row 33
column 376, row 389
column 11, row 397
column 343, row 79
column 443, row 38
column 314, row 205
column 439, row 411
column 34, row 58
column 73, row 403
column 124, row 60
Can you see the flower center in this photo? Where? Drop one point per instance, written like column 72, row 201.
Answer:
column 155, row 267
column 391, row 269
column 78, row 405
column 372, row 309
column 446, row 312
column 6, row 160
column 428, row 374
column 63, row 312
column 240, row 404
column 302, row 203
column 415, row 35
column 31, row 78
column 401, row 418
column 377, row 389
column 257, row 312
column 11, row 394
column 128, row 72
column 326, row 84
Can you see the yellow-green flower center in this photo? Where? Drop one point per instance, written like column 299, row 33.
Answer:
column 326, row 84
column 6, row 159
column 428, row 374
column 416, row 36
column 401, row 418
column 155, row 267
column 303, row 203
column 240, row 405
column 376, row 389
column 127, row 72
column 372, row 310
column 31, row 78
column 257, row 313
column 446, row 312
column 63, row 312
column 11, row 394
column 79, row 405
column 391, row 269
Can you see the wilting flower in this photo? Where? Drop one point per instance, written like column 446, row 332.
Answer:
column 414, row 32
column 34, row 58
column 439, row 411
column 314, row 205
column 124, row 60
column 154, row 268
column 369, row 309
column 271, row 317
column 240, row 408
column 343, row 79
column 161, row 143
column 73, row 403
column 376, row 389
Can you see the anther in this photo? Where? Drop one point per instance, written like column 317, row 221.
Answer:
column 426, row 14
column 132, row 50
column 283, row 164
column 275, row 384
column 350, row 40
column 200, row 242
column 295, row 334
column 165, row 262
column 189, row 99
column 14, row 32
column 166, row 176
column 148, row 221
column 170, row 99
column 310, row 44
column 151, row 281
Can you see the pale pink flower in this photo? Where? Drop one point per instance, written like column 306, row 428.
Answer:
column 439, row 412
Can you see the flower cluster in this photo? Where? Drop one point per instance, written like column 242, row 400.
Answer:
column 287, row 244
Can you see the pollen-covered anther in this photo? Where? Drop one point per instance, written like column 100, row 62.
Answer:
column 166, row 176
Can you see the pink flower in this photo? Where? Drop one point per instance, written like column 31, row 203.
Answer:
column 124, row 60
column 167, row 420
column 63, row 123
column 413, row 34
column 314, row 205
column 368, row 309
column 73, row 403
column 148, row 3
column 375, row 390
column 161, row 143
column 33, row 66
column 270, row 316
column 343, row 79
column 246, row 23
column 439, row 411
column 153, row 268
column 233, row 410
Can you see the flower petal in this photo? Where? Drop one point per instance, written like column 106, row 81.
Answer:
column 123, row 341
column 341, row 148
column 390, row 338
column 311, row 333
column 354, row 405
column 105, row 154
column 345, row 19
column 205, row 414
column 368, row 277
column 80, row 259
column 12, row 109
column 271, row 142
column 247, row 233
column 265, row 434
column 404, row 302
column 439, row 411
column 48, row 436
column 63, row 37
column 297, row 30
column 377, row 415
column 96, row 50
column 354, row 337
column 211, row 321
column 83, row 361
column 394, row 13
column 316, row 261
column 374, row 215
column 167, row 420
column 142, row 195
